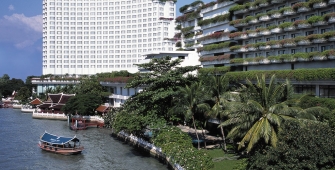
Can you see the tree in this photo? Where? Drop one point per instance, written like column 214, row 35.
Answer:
column 160, row 83
column 191, row 101
column 218, row 86
column 23, row 94
column 301, row 146
column 92, row 86
column 83, row 104
column 7, row 86
column 262, row 113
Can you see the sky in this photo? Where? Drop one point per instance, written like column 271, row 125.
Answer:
column 21, row 37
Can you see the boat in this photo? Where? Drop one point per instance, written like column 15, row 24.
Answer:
column 17, row 106
column 28, row 109
column 60, row 145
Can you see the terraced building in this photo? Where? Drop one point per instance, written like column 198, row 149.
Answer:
column 266, row 36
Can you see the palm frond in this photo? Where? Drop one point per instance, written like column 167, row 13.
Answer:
column 274, row 138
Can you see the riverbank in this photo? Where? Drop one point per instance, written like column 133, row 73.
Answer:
column 147, row 148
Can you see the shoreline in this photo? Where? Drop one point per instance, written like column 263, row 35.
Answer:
column 146, row 147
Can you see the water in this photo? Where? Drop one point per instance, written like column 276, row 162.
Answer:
column 19, row 134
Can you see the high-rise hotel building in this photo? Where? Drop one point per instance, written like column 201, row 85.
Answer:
column 85, row 37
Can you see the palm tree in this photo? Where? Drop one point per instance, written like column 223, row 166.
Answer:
column 218, row 85
column 190, row 102
column 260, row 115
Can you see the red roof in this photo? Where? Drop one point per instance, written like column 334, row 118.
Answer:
column 102, row 108
column 56, row 101
column 36, row 101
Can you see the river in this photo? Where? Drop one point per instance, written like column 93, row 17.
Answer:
column 19, row 134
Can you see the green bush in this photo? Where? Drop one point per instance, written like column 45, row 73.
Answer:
column 300, row 146
column 285, row 25
column 314, row 19
column 178, row 146
column 287, row 8
column 311, row 101
column 214, row 70
column 298, row 74
column 237, row 8
column 273, row 12
column 249, row 18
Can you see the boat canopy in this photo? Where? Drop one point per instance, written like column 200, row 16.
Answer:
column 58, row 140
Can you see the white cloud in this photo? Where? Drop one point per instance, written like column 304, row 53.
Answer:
column 21, row 31
column 11, row 7
column 34, row 22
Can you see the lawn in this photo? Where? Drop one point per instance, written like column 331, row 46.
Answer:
column 224, row 160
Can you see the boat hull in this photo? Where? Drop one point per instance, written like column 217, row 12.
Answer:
column 62, row 151
column 27, row 110
column 17, row 106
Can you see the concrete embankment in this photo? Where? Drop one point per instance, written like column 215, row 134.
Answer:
column 146, row 147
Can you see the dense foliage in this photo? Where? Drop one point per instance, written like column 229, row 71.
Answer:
column 7, row 85
column 300, row 147
column 177, row 145
column 310, row 101
column 82, row 104
column 150, row 107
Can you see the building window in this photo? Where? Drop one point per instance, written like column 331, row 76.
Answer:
column 304, row 89
column 327, row 91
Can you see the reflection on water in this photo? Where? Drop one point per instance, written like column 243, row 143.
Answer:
column 20, row 133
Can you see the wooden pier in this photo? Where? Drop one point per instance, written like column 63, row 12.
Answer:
column 82, row 123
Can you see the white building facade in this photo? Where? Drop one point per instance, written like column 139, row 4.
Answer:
column 85, row 37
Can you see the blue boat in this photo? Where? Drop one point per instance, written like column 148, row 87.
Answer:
column 59, row 144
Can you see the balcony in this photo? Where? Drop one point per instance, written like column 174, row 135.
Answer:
column 209, row 41
column 264, row 18
column 214, row 62
column 331, row 20
column 240, row 37
column 276, row 15
column 115, row 96
column 304, row 42
column 331, row 38
column 320, row 23
column 240, row 24
column 261, row 5
column 241, row 50
column 331, row 2
column 319, row 40
column 276, row 1
column 253, row 8
column 303, row 9
column 289, row 12
column 214, row 24
column 252, row 48
column 242, row 11
column 319, row 58
column 222, row 50
column 253, row 34
column 265, row 32
column 276, row 30
column 266, row 47
column 289, row 44
column 291, row 28
column 276, row 46
column 253, row 21
column 303, row 26
column 319, row 5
